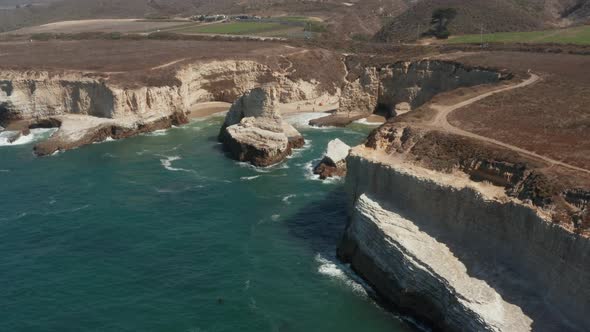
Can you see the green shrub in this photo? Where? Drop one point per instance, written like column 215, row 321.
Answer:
column 441, row 18
column 44, row 36
column 360, row 37
column 318, row 27
column 115, row 35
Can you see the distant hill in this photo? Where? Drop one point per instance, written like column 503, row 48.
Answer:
column 388, row 20
column 578, row 12
column 345, row 18
column 489, row 15
column 69, row 9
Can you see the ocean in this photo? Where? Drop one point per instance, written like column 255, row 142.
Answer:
column 162, row 232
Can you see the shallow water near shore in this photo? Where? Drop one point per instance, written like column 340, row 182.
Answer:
column 162, row 232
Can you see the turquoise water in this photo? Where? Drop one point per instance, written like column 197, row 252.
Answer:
column 161, row 232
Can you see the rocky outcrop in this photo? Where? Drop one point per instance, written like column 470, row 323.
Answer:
column 334, row 161
column 459, row 254
column 76, row 130
column 254, row 132
column 380, row 89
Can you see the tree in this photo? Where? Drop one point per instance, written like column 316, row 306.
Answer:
column 441, row 18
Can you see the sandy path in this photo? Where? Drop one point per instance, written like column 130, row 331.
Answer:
column 171, row 63
column 441, row 122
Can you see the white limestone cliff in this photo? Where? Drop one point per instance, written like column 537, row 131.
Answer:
column 459, row 254
column 35, row 96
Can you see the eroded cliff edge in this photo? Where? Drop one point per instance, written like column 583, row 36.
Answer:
column 90, row 106
column 464, row 235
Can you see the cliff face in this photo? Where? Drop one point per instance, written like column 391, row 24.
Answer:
column 35, row 96
column 461, row 254
column 382, row 88
column 39, row 94
column 28, row 95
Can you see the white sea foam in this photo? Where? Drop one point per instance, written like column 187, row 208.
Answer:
column 249, row 178
column 34, row 136
column 365, row 122
column 287, row 198
column 301, row 120
column 4, row 170
column 308, row 170
column 167, row 163
column 297, row 152
column 267, row 169
column 160, row 132
column 257, row 169
column 166, row 191
column 342, row 274
column 275, row 217
column 308, row 173
column 106, row 140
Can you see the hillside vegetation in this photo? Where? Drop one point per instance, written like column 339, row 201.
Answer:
column 490, row 16
column 575, row 35
column 391, row 20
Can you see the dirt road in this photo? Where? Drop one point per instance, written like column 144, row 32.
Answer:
column 441, row 122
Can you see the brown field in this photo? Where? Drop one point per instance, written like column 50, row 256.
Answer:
column 142, row 62
column 133, row 63
column 550, row 117
column 125, row 56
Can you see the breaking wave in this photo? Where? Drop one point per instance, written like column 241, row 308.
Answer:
column 301, row 120
column 365, row 122
column 309, row 175
column 160, row 132
column 339, row 272
column 34, row 136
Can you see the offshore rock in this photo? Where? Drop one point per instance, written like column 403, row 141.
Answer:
column 78, row 130
column 254, row 132
column 334, row 161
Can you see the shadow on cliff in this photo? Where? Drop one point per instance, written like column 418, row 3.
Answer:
column 483, row 261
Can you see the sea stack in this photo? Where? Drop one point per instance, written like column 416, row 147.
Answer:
column 254, row 131
column 334, row 161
